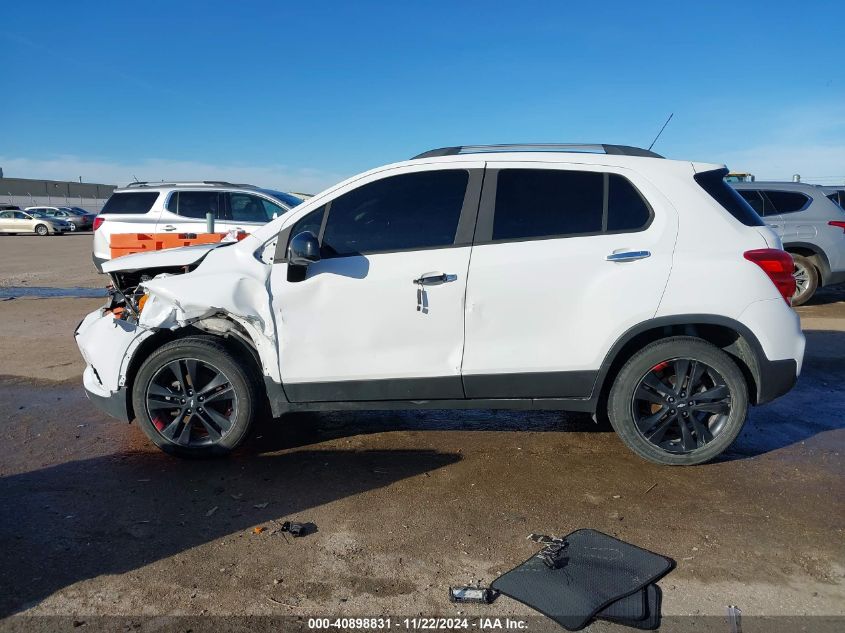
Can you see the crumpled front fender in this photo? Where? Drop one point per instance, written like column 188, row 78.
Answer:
column 107, row 345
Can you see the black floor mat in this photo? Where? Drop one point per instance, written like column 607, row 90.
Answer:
column 625, row 612
column 629, row 608
column 598, row 570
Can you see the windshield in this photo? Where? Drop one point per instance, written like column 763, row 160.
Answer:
column 289, row 200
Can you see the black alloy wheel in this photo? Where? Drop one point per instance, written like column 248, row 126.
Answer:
column 681, row 404
column 191, row 403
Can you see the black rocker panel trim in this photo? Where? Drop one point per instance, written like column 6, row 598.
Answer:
column 562, row 384
column 437, row 388
column 553, row 384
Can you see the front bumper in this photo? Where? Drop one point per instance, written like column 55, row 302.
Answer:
column 116, row 404
column 107, row 344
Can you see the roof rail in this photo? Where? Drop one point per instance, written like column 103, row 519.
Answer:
column 587, row 148
column 189, row 183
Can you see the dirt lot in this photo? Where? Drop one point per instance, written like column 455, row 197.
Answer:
column 95, row 521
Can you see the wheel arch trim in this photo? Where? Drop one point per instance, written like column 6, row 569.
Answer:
column 754, row 355
column 818, row 253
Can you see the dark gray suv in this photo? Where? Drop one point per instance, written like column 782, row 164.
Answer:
column 811, row 225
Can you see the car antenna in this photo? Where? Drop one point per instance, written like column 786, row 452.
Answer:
column 661, row 130
column 135, row 178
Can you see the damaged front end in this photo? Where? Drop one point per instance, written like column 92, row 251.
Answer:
column 161, row 296
column 109, row 336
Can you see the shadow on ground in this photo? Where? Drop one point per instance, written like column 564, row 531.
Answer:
column 114, row 514
column 828, row 294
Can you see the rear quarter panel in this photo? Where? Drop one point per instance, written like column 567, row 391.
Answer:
column 709, row 273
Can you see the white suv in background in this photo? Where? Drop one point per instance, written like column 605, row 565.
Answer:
column 584, row 278
column 158, row 207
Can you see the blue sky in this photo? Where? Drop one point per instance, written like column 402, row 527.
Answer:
column 300, row 95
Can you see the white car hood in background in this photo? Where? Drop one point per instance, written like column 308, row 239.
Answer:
column 183, row 256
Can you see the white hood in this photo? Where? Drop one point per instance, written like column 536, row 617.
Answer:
column 183, row 256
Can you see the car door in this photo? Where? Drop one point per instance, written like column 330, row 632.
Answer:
column 23, row 222
column 380, row 316
column 247, row 211
column 794, row 226
column 566, row 259
column 185, row 211
column 6, row 223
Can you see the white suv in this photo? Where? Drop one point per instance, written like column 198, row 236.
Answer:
column 158, row 207
column 584, row 278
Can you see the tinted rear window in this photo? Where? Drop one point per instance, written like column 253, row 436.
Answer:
column 838, row 197
column 754, row 199
column 140, row 202
column 195, row 204
column 547, row 202
column 534, row 203
column 787, row 201
column 626, row 209
column 713, row 182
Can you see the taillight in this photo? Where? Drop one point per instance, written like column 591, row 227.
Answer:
column 838, row 224
column 98, row 221
column 778, row 265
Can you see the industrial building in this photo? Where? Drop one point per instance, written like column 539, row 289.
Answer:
column 28, row 192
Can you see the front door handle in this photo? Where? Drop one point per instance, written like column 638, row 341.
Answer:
column 628, row 256
column 433, row 279
column 169, row 227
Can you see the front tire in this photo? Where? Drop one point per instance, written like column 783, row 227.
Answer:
column 194, row 398
column 806, row 280
column 679, row 401
column 41, row 230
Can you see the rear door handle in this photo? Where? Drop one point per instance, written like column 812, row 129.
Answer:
column 628, row 256
column 169, row 227
column 433, row 279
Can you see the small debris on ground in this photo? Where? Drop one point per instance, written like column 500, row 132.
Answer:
column 261, row 506
column 258, row 530
column 212, row 511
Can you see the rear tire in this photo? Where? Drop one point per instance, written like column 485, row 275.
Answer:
column 678, row 421
column 806, row 279
column 207, row 419
column 42, row 230
column 72, row 226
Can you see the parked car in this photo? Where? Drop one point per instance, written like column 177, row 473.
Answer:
column 76, row 221
column 577, row 278
column 810, row 224
column 182, row 207
column 83, row 211
column 15, row 222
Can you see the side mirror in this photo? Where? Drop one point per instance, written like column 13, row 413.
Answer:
column 304, row 249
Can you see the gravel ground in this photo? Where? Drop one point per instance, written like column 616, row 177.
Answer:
column 95, row 521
